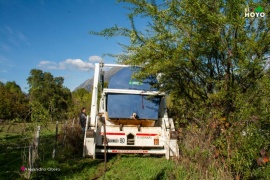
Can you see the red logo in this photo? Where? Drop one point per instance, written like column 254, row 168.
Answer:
column 22, row 168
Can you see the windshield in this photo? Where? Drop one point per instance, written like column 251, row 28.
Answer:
column 123, row 106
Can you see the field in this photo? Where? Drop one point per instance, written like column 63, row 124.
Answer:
column 68, row 162
column 60, row 157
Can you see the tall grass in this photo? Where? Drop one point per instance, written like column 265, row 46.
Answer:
column 196, row 161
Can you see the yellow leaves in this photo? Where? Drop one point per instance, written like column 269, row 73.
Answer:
column 223, row 119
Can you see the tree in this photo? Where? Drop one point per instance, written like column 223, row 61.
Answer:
column 212, row 60
column 200, row 48
column 80, row 98
column 47, row 94
column 14, row 103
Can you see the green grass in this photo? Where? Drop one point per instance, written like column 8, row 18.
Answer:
column 76, row 168
column 118, row 167
column 70, row 164
column 73, row 166
column 138, row 167
column 14, row 146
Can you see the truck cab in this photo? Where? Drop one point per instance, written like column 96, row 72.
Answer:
column 130, row 117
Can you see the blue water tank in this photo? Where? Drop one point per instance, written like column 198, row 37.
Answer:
column 123, row 80
column 122, row 106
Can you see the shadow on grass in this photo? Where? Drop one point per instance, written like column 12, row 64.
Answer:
column 10, row 163
column 72, row 168
column 165, row 174
column 12, row 148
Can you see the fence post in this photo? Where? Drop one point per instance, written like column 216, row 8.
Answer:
column 28, row 175
column 56, row 135
column 34, row 147
column 36, row 142
column 65, row 133
column 72, row 126
column 73, row 122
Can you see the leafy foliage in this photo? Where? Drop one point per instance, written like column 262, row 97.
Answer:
column 212, row 62
column 48, row 96
column 14, row 103
column 80, row 98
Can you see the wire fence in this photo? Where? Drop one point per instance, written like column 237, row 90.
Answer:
column 19, row 151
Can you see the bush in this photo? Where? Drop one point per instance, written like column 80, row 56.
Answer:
column 70, row 141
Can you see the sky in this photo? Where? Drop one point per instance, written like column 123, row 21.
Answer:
column 53, row 36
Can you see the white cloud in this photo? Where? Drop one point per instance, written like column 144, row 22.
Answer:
column 72, row 64
column 95, row 59
column 47, row 65
column 77, row 64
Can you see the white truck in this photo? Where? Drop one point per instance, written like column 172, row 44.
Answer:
column 128, row 117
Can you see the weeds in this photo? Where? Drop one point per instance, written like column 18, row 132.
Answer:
column 202, row 157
